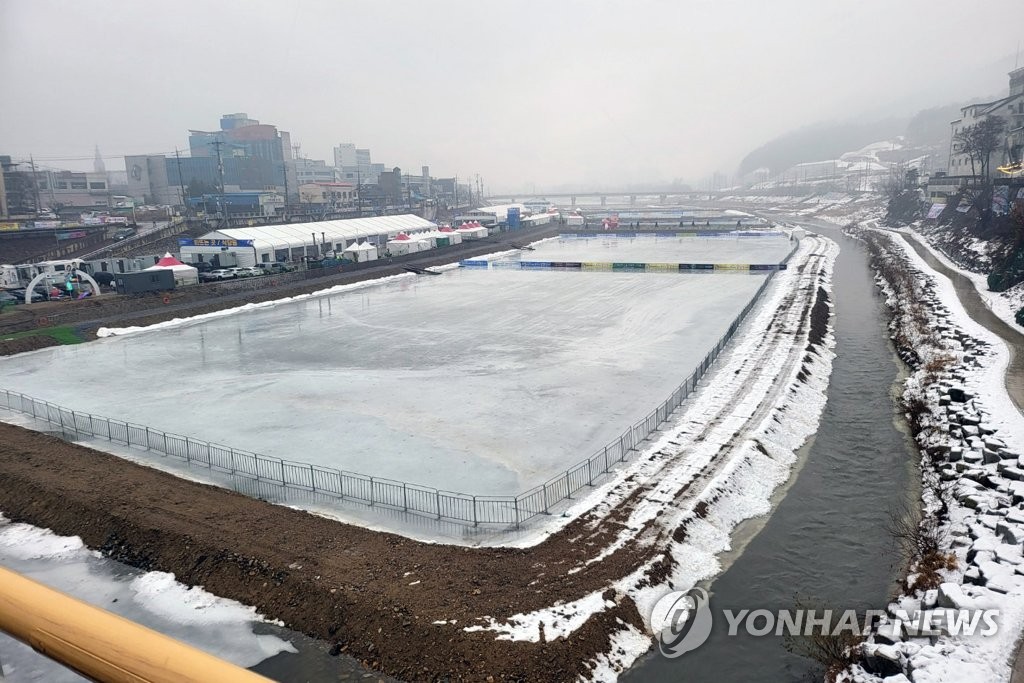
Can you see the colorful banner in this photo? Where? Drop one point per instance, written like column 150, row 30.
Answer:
column 189, row 242
column 4, row 227
column 619, row 266
column 74, row 235
column 935, row 210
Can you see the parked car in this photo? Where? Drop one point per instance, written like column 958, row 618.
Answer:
column 20, row 295
column 6, row 298
column 276, row 267
column 249, row 271
column 124, row 233
column 103, row 277
column 221, row 274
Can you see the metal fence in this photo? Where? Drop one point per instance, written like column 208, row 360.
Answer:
column 376, row 491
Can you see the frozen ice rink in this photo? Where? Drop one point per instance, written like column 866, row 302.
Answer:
column 486, row 382
column 650, row 249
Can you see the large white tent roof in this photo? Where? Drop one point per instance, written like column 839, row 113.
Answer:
column 293, row 235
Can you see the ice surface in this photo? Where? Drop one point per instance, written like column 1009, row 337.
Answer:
column 651, row 249
column 221, row 627
column 485, row 382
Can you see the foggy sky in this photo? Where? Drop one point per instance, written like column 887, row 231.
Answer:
column 526, row 94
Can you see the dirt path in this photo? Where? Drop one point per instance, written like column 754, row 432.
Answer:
column 378, row 595
column 983, row 315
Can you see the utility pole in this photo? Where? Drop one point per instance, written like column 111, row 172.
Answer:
column 220, row 164
column 35, row 182
column 359, row 193
column 220, row 172
column 284, row 169
column 181, row 178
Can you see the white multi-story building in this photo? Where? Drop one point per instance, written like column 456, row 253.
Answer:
column 1011, row 110
column 354, row 165
column 314, row 171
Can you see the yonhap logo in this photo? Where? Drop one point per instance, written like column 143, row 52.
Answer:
column 681, row 621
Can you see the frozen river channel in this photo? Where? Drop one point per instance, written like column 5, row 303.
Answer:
column 650, row 248
column 485, row 382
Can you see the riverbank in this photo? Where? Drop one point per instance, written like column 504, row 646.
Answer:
column 967, row 549
column 573, row 605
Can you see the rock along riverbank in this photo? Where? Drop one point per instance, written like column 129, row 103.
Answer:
column 966, row 552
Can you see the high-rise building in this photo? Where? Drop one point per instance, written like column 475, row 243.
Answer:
column 251, row 155
column 354, row 164
column 345, row 155
column 97, row 165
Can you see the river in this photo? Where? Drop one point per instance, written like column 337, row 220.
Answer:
column 825, row 542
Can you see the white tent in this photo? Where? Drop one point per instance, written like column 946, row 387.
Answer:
column 363, row 251
column 183, row 274
column 448, row 237
column 403, row 244
column 453, row 236
column 292, row 241
column 472, row 230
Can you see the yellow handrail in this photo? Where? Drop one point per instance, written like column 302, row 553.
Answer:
column 102, row 645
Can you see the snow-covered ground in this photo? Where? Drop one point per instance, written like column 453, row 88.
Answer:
column 972, row 438
column 1003, row 304
column 221, row 627
column 483, row 382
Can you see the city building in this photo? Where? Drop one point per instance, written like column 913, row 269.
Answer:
column 354, row 165
column 250, row 155
column 314, row 171
column 252, row 204
column 1011, row 110
column 391, row 185
column 328, row 195
column 156, row 179
column 69, row 189
column 19, row 190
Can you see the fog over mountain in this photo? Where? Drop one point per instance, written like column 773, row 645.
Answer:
column 528, row 94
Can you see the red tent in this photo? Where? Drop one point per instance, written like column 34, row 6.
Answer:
column 168, row 261
column 401, row 237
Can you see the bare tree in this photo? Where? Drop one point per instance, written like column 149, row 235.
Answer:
column 979, row 142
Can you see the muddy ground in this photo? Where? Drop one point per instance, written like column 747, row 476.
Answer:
column 372, row 593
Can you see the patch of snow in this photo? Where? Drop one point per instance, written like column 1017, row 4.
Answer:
column 221, row 627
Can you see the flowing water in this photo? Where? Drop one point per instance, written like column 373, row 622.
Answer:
column 825, row 544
